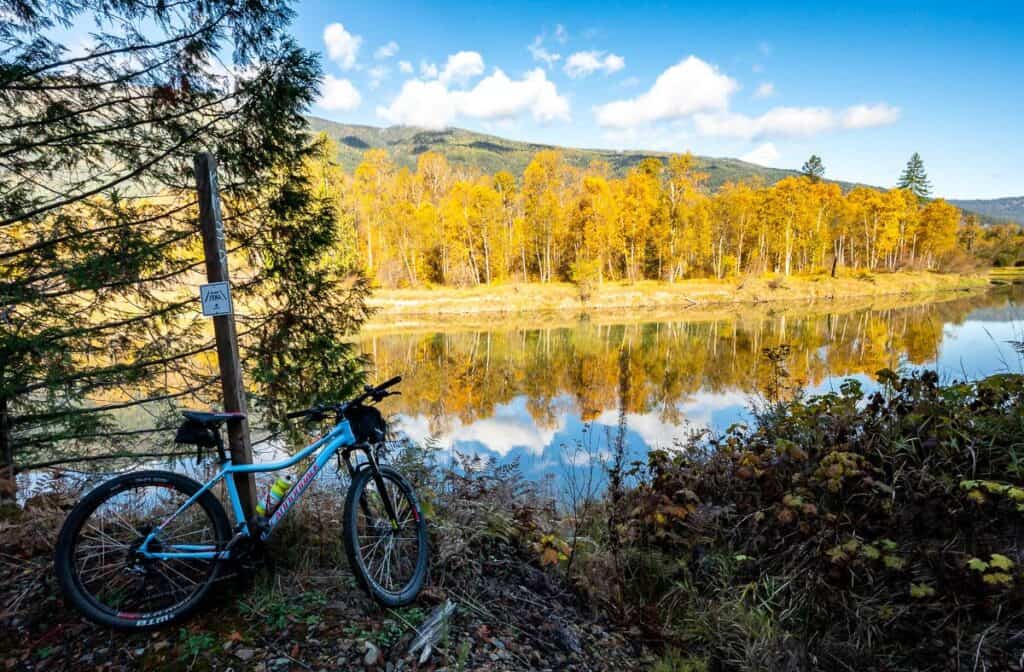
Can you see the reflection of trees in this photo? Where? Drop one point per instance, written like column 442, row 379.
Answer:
column 465, row 374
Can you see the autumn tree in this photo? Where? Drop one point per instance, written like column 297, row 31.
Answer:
column 658, row 221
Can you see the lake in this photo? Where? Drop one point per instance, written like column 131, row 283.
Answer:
column 549, row 390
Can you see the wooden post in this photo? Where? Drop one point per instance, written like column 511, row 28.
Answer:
column 216, row 254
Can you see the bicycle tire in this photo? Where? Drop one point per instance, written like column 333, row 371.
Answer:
column 385, row 596
column 71, row 583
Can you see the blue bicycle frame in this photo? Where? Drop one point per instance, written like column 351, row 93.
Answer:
column 339, row 438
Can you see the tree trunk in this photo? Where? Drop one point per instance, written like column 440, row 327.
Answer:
column 7, row 490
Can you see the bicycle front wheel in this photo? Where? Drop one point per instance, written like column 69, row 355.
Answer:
column 97, row 562
column 389, row 558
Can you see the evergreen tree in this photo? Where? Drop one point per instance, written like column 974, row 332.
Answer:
column 813, row 168
column 915, row 179
column 100, row 252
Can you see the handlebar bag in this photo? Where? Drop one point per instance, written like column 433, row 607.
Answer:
column 367, row 424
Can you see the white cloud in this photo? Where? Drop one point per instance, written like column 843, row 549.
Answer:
column 868, row 116
column 339, row 95
column 462, row 67
column 765, row 90
column 685, row 88
column 342, row 46
column 498, row 97
column 428, row 70
column 426, row 104
column 432, row 104
column 378, row 73
column 584, row 63
column 764, row 154
column 794, row 121
column 405, row 67
column 541, row 54
column 386, row 50
column 778, row 121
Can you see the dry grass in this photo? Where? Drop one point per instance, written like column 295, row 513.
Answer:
column 649, row 294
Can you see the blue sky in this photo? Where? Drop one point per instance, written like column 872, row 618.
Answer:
column 863, row 86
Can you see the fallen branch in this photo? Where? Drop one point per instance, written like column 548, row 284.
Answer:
column 432, row 630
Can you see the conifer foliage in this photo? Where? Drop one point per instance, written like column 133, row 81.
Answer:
column 99, row 245
column 914, row 178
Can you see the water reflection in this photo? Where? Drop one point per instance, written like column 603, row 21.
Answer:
column 523, row 391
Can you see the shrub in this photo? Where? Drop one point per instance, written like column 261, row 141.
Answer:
column 882, row 528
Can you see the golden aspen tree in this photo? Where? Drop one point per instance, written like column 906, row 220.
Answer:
column 371, row 179
column 939, row 222
column 543, row 187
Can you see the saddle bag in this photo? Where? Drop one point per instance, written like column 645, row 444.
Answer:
column 196, row 434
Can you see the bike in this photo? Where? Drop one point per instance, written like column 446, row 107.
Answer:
column 142, row 550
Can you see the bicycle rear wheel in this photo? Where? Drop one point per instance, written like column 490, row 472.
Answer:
column 390, row 561
column 97, row 564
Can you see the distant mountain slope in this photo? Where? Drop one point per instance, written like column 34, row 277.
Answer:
column 490, row 154
column 1010, row 208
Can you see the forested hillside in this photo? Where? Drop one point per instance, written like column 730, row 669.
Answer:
column 998, row 209
column 490, row 154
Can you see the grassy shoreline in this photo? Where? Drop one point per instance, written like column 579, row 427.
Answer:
column 565, row 297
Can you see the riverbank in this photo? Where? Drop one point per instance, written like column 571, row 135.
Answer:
column 390, row 323
column 567, row 297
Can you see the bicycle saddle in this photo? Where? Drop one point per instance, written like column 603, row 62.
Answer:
column 212, row 419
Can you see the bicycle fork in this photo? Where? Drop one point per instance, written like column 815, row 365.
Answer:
column 371, row 460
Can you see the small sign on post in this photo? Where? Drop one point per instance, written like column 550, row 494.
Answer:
column 216, row 299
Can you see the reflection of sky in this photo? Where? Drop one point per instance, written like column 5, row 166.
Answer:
column 971, row 349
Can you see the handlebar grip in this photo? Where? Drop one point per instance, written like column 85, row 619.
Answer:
column 297, row 414
column 388, row 383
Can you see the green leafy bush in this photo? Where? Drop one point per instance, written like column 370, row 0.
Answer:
column 883, row 529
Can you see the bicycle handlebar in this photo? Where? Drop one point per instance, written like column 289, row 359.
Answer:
column 376, row 393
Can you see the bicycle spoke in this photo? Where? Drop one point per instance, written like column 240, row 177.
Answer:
column 388, row 547
column 115, row 577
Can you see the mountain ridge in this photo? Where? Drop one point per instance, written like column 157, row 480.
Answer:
column 491, row 153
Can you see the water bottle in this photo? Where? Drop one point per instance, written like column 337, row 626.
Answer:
column 275, row 495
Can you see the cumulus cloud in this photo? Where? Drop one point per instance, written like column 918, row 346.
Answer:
column 426, row 104
column 561, row 34
column 405, row 67
column 386, row 50
column 764, row 154
column 498, row 97
column 462, row 67
column 342, row 46
column 339, row 95
column 432, row 104
column 765, row 90
column 541, row 54
column 688, row 87
column 868, row 116
column 584, row 63
column 778, row 121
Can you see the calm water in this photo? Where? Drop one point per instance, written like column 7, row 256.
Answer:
column 528, row 391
